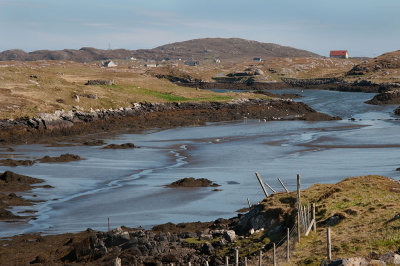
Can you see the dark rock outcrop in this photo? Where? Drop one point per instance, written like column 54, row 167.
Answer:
column 120, row 146
column 63, row 158
column 192, row 182
column 389, row 97
column 338, row 84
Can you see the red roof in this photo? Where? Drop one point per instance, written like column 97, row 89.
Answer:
column 337, row 53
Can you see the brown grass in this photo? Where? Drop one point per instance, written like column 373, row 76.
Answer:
column 367, row 205
column 29, row 88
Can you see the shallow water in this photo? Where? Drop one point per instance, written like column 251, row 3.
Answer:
column 128, row 185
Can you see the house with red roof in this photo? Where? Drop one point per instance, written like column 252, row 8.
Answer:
column 339, row 54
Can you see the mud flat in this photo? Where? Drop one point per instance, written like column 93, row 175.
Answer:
column 151, row 115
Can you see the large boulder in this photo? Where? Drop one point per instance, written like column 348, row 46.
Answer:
column 391, row 258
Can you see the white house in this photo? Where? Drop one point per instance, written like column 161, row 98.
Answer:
column 109, row 63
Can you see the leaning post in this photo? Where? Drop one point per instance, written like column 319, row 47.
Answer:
column 262, row 184
column 283, row 185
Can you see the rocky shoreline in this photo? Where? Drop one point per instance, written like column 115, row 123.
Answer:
column 200, row 242
column 318, row 83
column 151, row 115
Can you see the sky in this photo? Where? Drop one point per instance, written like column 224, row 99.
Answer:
column 363, row 27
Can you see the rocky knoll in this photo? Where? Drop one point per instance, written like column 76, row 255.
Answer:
column 151, row 115
column 389, row 97
column 381, row 64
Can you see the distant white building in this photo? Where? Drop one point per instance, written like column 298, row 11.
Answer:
column 109, row 63
column 257, row 59
column 217, row 61
column 151, row 65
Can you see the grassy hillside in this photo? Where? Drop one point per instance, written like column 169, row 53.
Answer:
column 29, row 88
column 367, row 218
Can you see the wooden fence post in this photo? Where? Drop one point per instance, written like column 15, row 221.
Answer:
column 226, row 261
column 298, row 191
column 260, row 258
column 273, row 190
column 298, row 226
column 245, row 261
column 274, row 254
column 313, row 216
column 280, row 181
column 237, row 257
column 262, row 184
column 328, row 243
column 288, row 244
column 303, row 212
column 309, row 227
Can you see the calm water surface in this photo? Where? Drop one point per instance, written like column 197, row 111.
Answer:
column 128, row 185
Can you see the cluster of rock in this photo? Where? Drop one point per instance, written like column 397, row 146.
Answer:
column 390, row 258
column 339, row 84
column 63, row 118
column 142, row 247
column 192, row 182
column 120, row 146
column 152, row 115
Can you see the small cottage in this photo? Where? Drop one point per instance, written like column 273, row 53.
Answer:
column 109, row 63
column 339, row 54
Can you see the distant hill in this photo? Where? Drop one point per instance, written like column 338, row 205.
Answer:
column 198, row 49
column 383, row 63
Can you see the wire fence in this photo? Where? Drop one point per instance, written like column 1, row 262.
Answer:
column 280, row 251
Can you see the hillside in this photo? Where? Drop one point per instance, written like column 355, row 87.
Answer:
column 384, row 68
column 199, row 49
column 227, row 49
